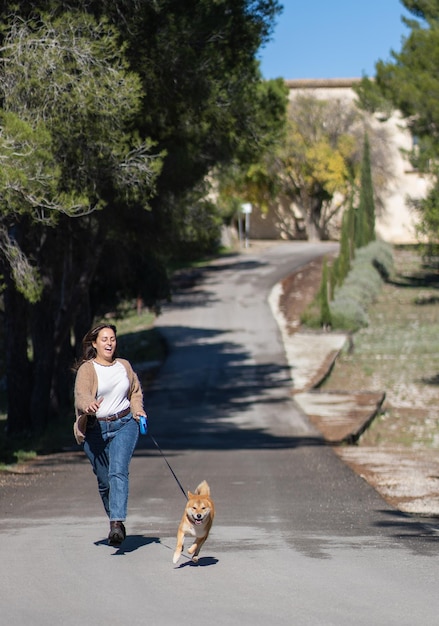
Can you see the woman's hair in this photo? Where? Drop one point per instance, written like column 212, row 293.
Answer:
column 88, row 350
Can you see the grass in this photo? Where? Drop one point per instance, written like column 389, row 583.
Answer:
column 398, row 352
column 137, row 339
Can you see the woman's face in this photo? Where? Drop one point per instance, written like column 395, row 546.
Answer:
column 105, row 345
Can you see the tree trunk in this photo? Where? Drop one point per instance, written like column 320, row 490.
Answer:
column 44, row 349
column 65, row 300
column 313, row 212
column 18, row 368
column 61, row 397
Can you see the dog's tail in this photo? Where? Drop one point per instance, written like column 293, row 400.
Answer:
column 203, row 489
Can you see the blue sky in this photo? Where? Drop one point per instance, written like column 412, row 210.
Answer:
column 333, row 38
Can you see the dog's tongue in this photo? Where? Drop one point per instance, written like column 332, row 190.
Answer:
column 198, row 521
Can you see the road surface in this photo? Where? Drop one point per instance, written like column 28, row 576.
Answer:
column 298, row 538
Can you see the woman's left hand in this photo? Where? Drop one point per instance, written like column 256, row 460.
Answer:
column 138, row 415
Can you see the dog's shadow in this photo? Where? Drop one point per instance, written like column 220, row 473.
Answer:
column 203, row 561
column 131, row 543
column 134, row 542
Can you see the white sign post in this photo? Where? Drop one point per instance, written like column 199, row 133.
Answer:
column 246, row 209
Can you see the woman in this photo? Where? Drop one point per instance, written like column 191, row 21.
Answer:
column 108, row 407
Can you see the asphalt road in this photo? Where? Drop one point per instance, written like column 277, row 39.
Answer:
column 298, row 539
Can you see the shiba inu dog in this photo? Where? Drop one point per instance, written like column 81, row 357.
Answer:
column 196, row 521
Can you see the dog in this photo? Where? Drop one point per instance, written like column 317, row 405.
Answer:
column 197, row 521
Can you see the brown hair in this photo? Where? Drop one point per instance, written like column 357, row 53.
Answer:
column 88, row 350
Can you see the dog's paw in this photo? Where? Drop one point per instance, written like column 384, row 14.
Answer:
column 176, row 556
column 195, row 558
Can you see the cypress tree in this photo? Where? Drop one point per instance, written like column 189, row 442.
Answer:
column 325, row 313
column 344, row 257
column 334, row 277
column 365, row 226
column 351, row 231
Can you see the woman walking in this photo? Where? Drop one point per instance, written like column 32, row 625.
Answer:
column 108, row 406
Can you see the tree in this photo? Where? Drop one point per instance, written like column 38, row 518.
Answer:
column 365, row 213
column 196, row 60
column 67, row 153
column 310, row 171
column 193, row 79
column 318, row 160
column 410, row 84
column 342, row 263
column 252, row 180
column 325, row 312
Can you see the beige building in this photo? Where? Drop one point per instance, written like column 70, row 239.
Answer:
column 396, row 222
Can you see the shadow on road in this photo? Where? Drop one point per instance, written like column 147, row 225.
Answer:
column 204, row 561
column 408, row 527
column 131, row 543
column 206, row 402
column 207, row 406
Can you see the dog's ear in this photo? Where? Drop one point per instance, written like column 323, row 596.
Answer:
column 190, row 495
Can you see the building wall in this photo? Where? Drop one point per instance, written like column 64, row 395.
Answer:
column 397, row 222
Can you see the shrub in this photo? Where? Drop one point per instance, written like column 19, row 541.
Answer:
column 364, row 282
column 348, row 314
column 379, row 254
column 372, row 263
column 348, row 309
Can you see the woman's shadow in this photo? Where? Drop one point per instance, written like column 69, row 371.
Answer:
column 130, row 544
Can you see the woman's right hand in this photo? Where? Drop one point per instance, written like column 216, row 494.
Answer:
column 93, row 406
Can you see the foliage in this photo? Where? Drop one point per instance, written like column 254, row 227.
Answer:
column 362, row 285
column 348, row 308
column 311, row 172
column 342, row 264
column 371, row 99
column 365, row 214
column 206, row 103
column 126, row 108
column 348, row 313
column 410, row 83
column 353, row 280
column 62, row 145
column 325, row 312
column 317, row 160
column 67, row 153
column 399, row 352
column 428, row 226
column 244, row 181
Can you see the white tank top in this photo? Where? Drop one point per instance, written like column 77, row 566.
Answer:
column 113, row 387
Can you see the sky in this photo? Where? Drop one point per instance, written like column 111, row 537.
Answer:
column 333, row 38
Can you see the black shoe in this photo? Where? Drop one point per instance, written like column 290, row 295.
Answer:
column 117, row 534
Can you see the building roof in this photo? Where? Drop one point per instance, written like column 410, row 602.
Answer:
column 316, row 83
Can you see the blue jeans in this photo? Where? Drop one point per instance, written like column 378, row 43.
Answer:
column 109, row 447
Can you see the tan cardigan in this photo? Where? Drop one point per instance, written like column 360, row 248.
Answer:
column 86, row 388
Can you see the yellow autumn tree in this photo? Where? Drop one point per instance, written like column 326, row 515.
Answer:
column 317, row 164
column 312, row 172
